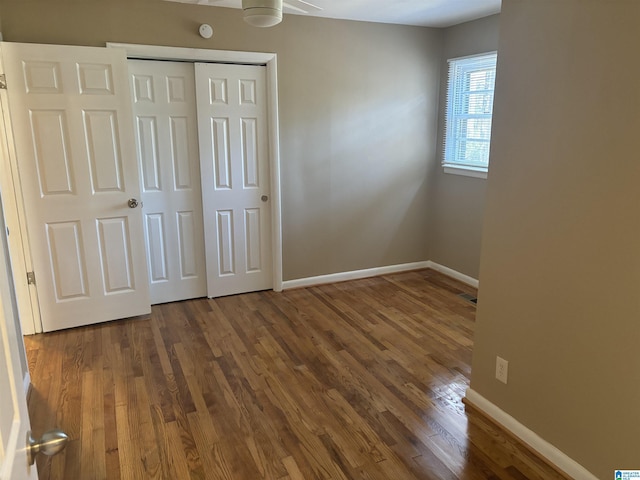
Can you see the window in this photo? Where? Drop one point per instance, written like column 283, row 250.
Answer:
column 468, row 118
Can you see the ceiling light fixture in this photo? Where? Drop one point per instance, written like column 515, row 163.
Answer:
column 262, row 13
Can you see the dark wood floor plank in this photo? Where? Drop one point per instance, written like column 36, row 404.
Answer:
column 357, row 380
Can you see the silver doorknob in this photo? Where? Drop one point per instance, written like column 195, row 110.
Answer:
column 51, row 443
column 264, row 198
column 133, row 202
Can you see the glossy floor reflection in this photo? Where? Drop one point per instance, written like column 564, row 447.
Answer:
column 356, row 380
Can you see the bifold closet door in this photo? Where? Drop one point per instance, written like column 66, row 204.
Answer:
column 164, row 104
column 234, row 162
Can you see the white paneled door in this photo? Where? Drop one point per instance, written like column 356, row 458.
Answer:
column 14, row 418
column 232, row 126
column 72, row 119
column 164, row 106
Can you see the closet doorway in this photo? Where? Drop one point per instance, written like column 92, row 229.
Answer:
column 202, row 143
column 215, row 130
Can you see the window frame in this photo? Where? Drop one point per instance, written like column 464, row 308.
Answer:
column 449, row 164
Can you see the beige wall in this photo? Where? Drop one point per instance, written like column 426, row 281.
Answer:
column 457, row 202
column 560, row 263
column 358, row 115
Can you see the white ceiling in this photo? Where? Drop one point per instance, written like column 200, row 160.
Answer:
column 426, row 13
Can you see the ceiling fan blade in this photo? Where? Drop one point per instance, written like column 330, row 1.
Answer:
column 301, row 6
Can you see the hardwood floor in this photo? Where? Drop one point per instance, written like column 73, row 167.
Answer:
column 356, row 380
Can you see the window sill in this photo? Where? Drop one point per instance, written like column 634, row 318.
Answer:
column 465, row 171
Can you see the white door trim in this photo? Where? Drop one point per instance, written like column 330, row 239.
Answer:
column 13, row 206
column 269, row 60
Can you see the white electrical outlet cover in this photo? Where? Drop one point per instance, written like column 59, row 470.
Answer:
column 502, row 370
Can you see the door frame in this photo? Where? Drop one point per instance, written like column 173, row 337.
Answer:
column 269, row 61
column 15, row 220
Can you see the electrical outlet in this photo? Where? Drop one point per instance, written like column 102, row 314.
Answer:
column 502, row 369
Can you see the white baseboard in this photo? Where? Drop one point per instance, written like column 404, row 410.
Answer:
column 354, row 275
column 373, row 272
column 449, row 272
column 552, row 454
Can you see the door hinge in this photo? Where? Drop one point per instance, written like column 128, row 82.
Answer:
column 3, row 82
column 31, row 278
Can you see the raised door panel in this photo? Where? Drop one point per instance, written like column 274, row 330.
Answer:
column 95, row 79
column 226, row 243
column 67, row 260
column 51, row 144
column 179, row 137
column 103, row 150
column 253, row 239
column 156, row 250
column 115, row 255
column 220, row 146
column 189, row 226
column 42, row 76
column 250, row 160
column 148, row 153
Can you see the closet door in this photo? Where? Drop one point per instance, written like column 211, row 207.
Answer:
column 232, row 128
column 164, row 105
column 70, row 109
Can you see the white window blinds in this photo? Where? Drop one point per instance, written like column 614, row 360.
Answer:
column 469, row 110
